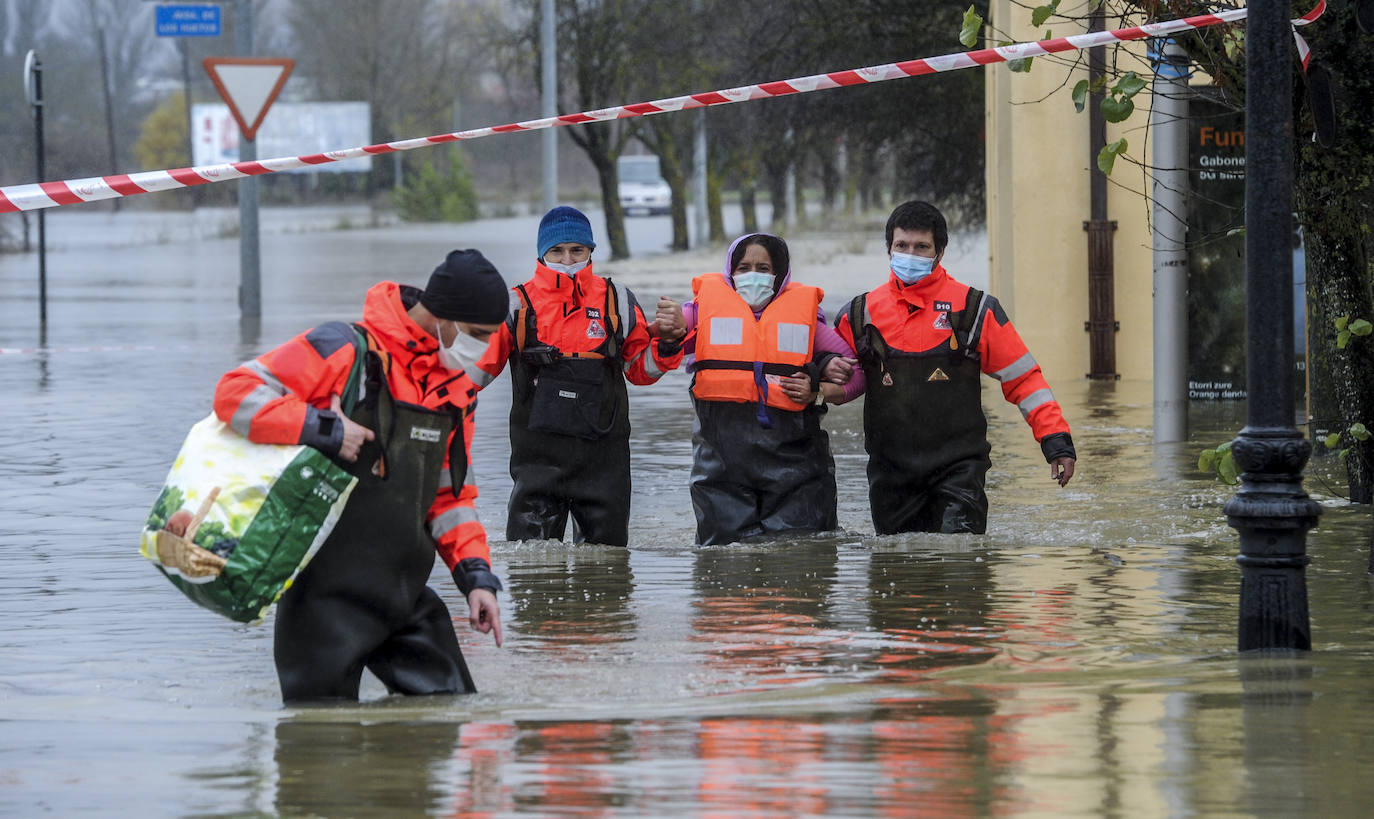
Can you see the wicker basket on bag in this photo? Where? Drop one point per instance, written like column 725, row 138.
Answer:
column 180, row 553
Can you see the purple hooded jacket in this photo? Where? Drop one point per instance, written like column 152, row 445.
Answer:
column 827, row 340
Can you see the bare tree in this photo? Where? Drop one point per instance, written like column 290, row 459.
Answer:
column 408, row 59
column 121, row 35
column 596, row 69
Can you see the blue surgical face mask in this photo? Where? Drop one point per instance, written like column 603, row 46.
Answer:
column 911, row 269
column 755, row 288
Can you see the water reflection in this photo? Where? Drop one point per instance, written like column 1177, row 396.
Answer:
column 345, row 767
column 1276, row 699
column 572, row 765
column 565, row 596
column 934, row 610
column 250, row 335
column 762, row 609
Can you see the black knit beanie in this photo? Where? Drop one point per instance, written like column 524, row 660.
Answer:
column 467, row 287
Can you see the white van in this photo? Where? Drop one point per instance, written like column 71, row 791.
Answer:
column 642, row 190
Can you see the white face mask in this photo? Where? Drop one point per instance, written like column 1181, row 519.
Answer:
column 568, row 269
column 755, row 288
column 462, row 353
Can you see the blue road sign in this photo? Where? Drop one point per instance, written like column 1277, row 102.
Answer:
column 188, row 21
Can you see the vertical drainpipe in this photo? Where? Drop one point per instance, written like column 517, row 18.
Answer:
column 1169, row 143
column 1101, row 324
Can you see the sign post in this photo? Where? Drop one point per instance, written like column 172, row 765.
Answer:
column 249, row 86
column 33, row 91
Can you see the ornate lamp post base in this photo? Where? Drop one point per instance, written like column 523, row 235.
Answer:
column 1272, row 513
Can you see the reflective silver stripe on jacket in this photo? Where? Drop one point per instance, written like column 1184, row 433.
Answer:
column 975, row 332
column 452, row 519
column 1015, row 369
column 626, row 309
column 1036, row 399
column 446, row 479
column 627, row 323
column 479, row 376
column 270, row 390
column 650, row 365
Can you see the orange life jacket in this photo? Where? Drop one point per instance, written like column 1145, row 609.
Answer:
column 730, row 342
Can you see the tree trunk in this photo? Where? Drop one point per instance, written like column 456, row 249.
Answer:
column 609, row 178
column 748, row 205
column 830, row 179
column 775, row 165
column 714, row 216
column 671, row 168
column 1333, row 200
column 602, row 144
column 666, row 142
column 1337, row 275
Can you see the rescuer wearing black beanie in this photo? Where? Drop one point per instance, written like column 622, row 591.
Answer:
column 391, row 399
column 466, row 287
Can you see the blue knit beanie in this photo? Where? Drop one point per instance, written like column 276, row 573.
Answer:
column 564, row 224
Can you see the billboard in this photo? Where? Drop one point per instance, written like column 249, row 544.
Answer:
column 289, row 129
column 1216, row 254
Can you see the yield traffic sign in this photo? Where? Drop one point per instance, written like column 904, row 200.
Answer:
column 249, row 85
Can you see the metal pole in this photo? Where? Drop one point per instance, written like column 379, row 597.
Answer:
column 1101, row 324
column 549, row 70
column 699, row 162
column 1271, row 511
column 1169, row 144
column 190, row 122
column 250, row 262
column 790, row 215
column 33, row 72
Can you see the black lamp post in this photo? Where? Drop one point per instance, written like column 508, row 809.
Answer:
column 1271, row 511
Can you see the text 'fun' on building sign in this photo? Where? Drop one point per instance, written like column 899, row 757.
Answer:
column 188, row 21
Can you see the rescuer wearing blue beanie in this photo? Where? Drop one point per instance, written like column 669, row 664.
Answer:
column 564, row 224
column 572, row 342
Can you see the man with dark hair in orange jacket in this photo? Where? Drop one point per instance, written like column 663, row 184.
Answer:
column 362, row 601
column 922, row 339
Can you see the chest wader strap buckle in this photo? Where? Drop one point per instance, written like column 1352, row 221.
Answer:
column 968, row 323
column 869, row 345
column 377, row 365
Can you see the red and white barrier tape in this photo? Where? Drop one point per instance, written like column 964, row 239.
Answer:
column 121, row 348
column 70, row 192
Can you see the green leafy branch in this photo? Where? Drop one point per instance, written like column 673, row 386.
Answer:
column 1118, row 100
column 1356, row 431
column 1346, row 329
column 1219, row 461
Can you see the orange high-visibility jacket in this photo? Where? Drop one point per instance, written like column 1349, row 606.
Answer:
column 730, row 341
column 277, row 398
column 915, row 318
column 568, row 311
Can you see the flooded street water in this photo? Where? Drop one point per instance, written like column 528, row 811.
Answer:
column 1078, row 660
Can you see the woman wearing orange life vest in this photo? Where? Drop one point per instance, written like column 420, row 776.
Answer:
column 761, row 462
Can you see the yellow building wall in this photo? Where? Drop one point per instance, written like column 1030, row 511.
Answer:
column 1038, row 177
